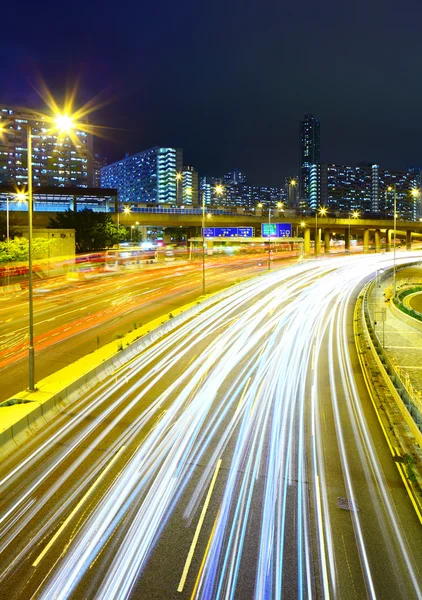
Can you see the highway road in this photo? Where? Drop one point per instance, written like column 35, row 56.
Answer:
column 237, row 457
column 74, row 318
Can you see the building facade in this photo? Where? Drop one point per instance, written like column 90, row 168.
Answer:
column 190, row 186
column 147, row 177
column 234, row 177
column 56, row 160
column 309, row 154
column 98, row 162
column 366, row 188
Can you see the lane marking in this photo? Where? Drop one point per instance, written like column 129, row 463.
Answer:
column 198, row 529
column 201, row 568
column 321, row 533
column 77, row 507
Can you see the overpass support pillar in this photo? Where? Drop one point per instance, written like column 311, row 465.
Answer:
column 366, row 240
column 408, row 240
column 307, row 241
column 388, row 240
column 377, row 240
column 318, row 241
column 143, row 230
column 347, row 240
column 326, row 240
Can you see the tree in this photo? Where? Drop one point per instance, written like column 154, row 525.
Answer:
column 93, row 230
column 17, row 250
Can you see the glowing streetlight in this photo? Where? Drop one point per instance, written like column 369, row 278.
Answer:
column 179, row 177
column 126, row 210
column 355, row 215
column 203, row 242
column 219, row 189
column 322, row 211
column 64, row 123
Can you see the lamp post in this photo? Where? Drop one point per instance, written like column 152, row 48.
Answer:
column 203, row 243
column 179, row 177
column 322, row 212
column 31, row 297
column 355, row 214
column 280, row 207
column 63, row 124
column 394, row 247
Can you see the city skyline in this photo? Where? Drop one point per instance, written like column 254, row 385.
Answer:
column 248, row 78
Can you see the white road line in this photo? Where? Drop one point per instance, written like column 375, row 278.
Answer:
column 198, row 529
column 77, row 507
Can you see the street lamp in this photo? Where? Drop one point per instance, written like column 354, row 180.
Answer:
column 355, row 215
column 322, row 212
column 203, row 241
column 179, row 177
column 63, row 124
column 390, row 189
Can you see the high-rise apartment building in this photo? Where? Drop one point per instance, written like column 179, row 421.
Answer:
column 309, row 154
column 366, row 188
column 190, row 188
column 234, row 177
column 206, row 190
column 147, row 177
column 56, row 160
column 98, row 162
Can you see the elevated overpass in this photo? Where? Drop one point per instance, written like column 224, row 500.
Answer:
column 377, row 233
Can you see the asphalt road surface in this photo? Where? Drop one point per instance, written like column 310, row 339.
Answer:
column 71, row 319
column 238, row 457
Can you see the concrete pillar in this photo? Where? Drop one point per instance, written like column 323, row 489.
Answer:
column 75, row 204
column 326, row 240
column 307, row 240
column 366, row 240
column 143, row 231
column 318, row 242
column 388, row 240
column 346, row 240
column 408, row 240
column 377, row 240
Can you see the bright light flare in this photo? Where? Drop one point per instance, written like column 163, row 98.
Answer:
column 64, row 123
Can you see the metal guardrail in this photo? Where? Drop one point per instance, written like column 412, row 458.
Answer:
column 410, row 396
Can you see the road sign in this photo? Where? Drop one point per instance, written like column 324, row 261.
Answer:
column 228, row 232
column 277, row 230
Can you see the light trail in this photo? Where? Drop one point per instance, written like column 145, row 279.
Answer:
column 252, row 381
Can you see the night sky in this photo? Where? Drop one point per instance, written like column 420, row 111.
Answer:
column 229, row 81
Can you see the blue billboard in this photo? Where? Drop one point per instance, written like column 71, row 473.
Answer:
column 277, row 230
column 228, row 232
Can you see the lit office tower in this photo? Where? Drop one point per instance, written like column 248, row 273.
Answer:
column 55, row 161
column 147, row 177
column 190, row 192
column 309, row 154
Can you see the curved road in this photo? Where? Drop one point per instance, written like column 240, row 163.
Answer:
column 238, row 457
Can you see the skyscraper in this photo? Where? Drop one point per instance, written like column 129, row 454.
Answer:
column 309, row 155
